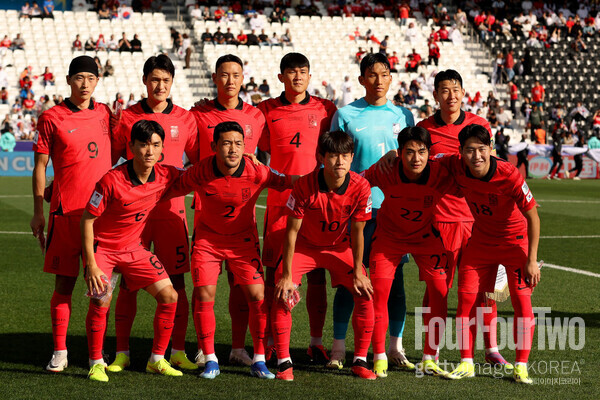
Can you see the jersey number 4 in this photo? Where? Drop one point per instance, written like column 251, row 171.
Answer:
column 296, row 140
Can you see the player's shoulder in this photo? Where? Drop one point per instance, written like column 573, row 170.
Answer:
column 180, row 111
column 471, row 118
column 321, row 101
column 505, row 168
column 55, row 114
column 428, row 122
column 252, row 111
column 102, row 108
column 203, row 107
column 269, row 104
column 358, row 180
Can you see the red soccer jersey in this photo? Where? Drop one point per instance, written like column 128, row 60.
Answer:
column 291, row 135
column 444, row 139
column 228, row 201
column 536, row 93
column 325, row 214
column 78, row 142
column 407, row 212
column 181, row 136
column 122, row 204
column 497, row 200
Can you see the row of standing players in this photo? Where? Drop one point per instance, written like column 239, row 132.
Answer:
column 287, row 127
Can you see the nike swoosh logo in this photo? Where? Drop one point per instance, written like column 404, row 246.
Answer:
column 209, row 194
column 275, row 120
column 361, row 129
column 73, row 130
column 128, row 204
column 522, row 288
column 211, row 126
column 96, row 330
column 433, row 144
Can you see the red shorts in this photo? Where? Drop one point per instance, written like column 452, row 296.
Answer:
column 139, row 267
column 169, row 233
column 455, row 236
column 479, row 266
column 274, row 234
column 63, row 245
column 339, row 261
column 242, row 256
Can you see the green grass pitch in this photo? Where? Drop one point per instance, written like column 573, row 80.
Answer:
column 570, row 210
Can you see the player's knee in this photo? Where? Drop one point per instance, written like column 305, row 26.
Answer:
column 167, row 295
column 205, row 293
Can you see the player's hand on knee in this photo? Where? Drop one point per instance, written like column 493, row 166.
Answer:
column 93, row 279
column 363, row 286
column 532, row 273
column 386, row 162
column 284, row 289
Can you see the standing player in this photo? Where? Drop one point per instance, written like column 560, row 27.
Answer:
column 506, row 231
column 454, row 220
column 322, row 204
column 294, row 121
column 75, row 135
column 374, row 122
column 228, row 78
column 229, row 185
column 167, row 225
column 111, row 229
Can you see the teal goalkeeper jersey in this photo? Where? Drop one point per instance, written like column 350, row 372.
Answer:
column 375, row 131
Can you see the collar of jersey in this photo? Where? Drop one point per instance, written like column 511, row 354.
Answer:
column 238, row 172
column 148, row 110
column 423, row 179
column 285, row 101
column 440, row 122
column 218, row 106
column 74, row 108
column 133, row 176
column 488, row 177
column 323, row 185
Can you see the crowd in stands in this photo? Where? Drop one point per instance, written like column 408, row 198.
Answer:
column 111, row 44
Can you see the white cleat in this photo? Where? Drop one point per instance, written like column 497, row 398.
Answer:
column 200, row 359
column 58, row 362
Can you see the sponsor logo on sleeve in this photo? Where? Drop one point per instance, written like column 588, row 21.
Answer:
column 291, row 203
column 529, row 197
column 525, row 188
column 36, row 137
column 96, row 199
column 369, row 207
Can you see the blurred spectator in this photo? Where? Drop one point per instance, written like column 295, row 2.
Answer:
column 504, row 118
column 219, row 37
column 359, row 55
column 136, row 44
column 263, row 39
column 346, row 97
column 578, row 158
column 329, row 91
column 6, row 124
column 48, row 9
column 596, row 122
column 18, row 43
column 25, row 11
column 3, row 95
column 8, row 141
column 124, row 44
column 538, row 95
column 434, row 52
column 264, row 88
column 509, row 65
column 443, row 34
column 112, row 44
column 256, row 23
column 100, row 67
column 101, row 43
column 536, row 119
column 206, row 37
column 77, row 45
column 275, row 41
column 219, row 13
column 523, row 159
column 425, row 111
column 29, row 105
column 557, row 160
column 514, row 96
column 251, row 86
column 286, row 38
column 526, row 108
column 186, row 50
column 579, row 113
column 196, row 12
column 393, row 60
column 36, row 11
column 118, row 101
column 109, row 70
column 242, row 38
column 90, row 45
column 131, row 100
column 594, row 142
column 48, row 77
column 403, row 13
column 412, row 35
column 399, row 98
column 104, row 12
column 384, row 45
column 460, row 19
column 6, row 43
column 47, row 104
column 25, row 84
column 501, row 144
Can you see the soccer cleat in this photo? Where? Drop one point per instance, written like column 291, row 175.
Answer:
column 211, row 370
column 162, row 367
column 398, row 358
column 521, row 375
column 98, row 373
column 121, row 362
column 240, row 357
column 337, row 360
column 430, row 367
column 285, row 371
column 576, row 178
column 57, row 363
column 380, row 368
column 464, row 370
column 567, row 174
column 259, row 369
column 556, row 178
column 200, row 359
column 361, row 370
column 497, row 359
column 180, row 360
column 318, row 354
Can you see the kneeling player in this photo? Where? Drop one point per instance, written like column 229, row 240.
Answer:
column 111, row 229
column 506, row 231
column 228, row 185
column 405, row 225
column 326, row 199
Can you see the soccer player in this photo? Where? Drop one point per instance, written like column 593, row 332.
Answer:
column 229, row 185
column 166, row 227
column 506, row 231
column 454, row 219
column 374, row 122
column 294, row 121
column 320, row 207
column 228, row 106
column 111, row 230
column 75, row 135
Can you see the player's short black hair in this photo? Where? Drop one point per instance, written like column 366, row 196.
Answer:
column 371, row 59
column 335, row 142
column 474, row 131
column 228, row 58
column 447, row 75
column 144, row 129
column 226, row 126
column 160, row 61
column 416, row 133
column 293, row 60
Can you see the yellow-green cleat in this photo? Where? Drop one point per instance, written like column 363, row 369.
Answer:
column 336, row 360
column 121, row 362
column 521, row 375
column 180, row 360
column 430, row 367
column 162, row 367
column 464, row 370
column 380, row 368
column 398, row 358
column 98, row 373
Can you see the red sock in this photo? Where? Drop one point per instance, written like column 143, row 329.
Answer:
column 363, row 320
column 60, row 313
column 238, row 310
column 181, row 320
column 95, row 326
column 316, row 301
column 381, row 294
column 269, row 295
column 489, row 321
column 523, row 327
column 437, row 291
column 125, row 311
column 163, row 327
column 466, row 326
column 205, row 323
column 282, row 328
column 258, row 324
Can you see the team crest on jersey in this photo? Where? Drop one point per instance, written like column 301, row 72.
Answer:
column 525, row 188
column 175, row 133
column 428, row 201
column 104, row 127
column 248, row 131
column 396, row 129
column 439, row 155
column 493, row 199
column 529, row 197
column 246, row 194
column 96, row 199
column 291, row 203
column 369, row 207
column 312, row 120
